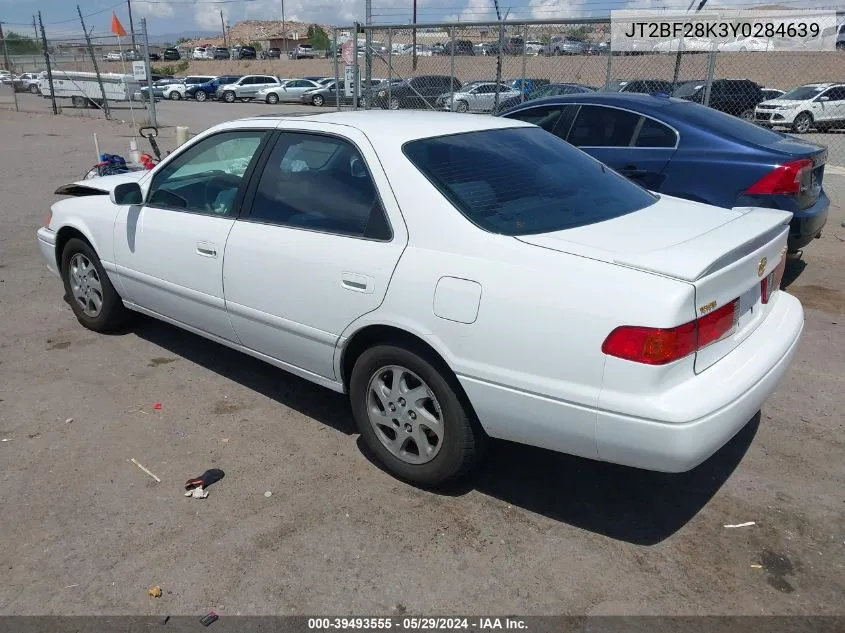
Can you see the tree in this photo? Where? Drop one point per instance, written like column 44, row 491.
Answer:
column 17, row 44
column 318, row 38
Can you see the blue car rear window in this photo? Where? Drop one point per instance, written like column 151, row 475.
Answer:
column 726, row 125
column 522, row 181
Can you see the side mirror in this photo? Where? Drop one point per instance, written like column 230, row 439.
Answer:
column 127, row 193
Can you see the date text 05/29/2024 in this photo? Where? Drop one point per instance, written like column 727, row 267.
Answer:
column 417, row 624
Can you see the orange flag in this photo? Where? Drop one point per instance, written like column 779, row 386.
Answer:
column 116, row 26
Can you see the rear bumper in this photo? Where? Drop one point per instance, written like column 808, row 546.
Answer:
column 807, row 224
column 728, row 394
column 47, row 246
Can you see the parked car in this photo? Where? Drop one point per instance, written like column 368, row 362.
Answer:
column 171, row 54
column 384, row 231
column 772, row 93
column 208, row 89
column 303, row 51
column 327, row 92
column 244, row 52
column 159, row 86
column 177, row 91
column 461, row 47
column 486, row 48
column 550, row 90
column 246, row 88
column 272, row 53
column 529, row 85
column 668, row 144
column 645, row 86
column 733, row 96
column 221, row 52
column 26, row 82
column 202, row 52
column 533, row 48
column 113, row 56
column 513, row 46
column 478, row 98
column 290, row 91
column 834, row 36
column 751, row 44
column 820, row 106
column 439, row 102
column 416, row 92
column 565, row 45
column 155, row 57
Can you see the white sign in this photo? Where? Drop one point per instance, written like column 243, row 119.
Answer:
column 348, row 80
column 139, row 69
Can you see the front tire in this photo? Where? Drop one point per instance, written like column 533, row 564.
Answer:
column 802, row 123
column 394, row 104
column 748, row 115
column 229, row 97
column 201, row 96
column 33, row 89
column 462, row 106
column 175, row 96
column 272, row 99
column 410, row 414
column 318, row 100
column 92, row 297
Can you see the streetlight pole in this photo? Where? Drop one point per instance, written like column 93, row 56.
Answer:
column 284, row 34
column 132, row 26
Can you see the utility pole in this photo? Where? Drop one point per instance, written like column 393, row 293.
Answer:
column 8, row 64
column 132, row 26
column 368, row 55
column 106, row 108
column 284, row 34
column 223, row 27
column 47, row 61
column 149, row 67
column 35, row 28
column 414, row 36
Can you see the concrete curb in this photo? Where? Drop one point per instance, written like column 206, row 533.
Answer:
column 834, row 170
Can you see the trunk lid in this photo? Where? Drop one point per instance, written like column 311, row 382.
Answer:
column 723, row 253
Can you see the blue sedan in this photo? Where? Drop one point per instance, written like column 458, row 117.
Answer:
column 691, row 151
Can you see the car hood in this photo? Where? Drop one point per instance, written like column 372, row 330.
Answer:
column 787, row 102
column 99, row 185
column 673, row 236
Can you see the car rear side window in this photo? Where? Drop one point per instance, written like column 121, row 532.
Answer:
column 597, row 126
column 523, row 181
column 545, row 117
column 655, row 134
column 723, row 124
column 320, row 183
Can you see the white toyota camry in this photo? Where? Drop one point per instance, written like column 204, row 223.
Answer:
column 460, row 277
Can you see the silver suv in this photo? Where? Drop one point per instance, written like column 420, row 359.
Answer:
column 247, row 87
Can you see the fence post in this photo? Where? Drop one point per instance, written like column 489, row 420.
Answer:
column 149, row 68
column 336, row 73
column 608, row 76
column 355, row 71
column 389, row 56
column 524, row 42
column 368, row 63
column 106, row 109
column 452, row 69
column 499, row 54
column 711, row 71
column 9, row 67
column 677, row 64
column 47, row 61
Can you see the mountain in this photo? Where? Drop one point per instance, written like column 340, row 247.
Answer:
column 172, row 38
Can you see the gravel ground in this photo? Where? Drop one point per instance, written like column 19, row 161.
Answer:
column 86, row 532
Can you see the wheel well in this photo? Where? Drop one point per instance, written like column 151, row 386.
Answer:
column 807, row 112
column 65, row 234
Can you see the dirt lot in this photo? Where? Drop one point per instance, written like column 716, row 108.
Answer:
column 86, row 532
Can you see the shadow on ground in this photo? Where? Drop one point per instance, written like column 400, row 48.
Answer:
column 622, row 503
column 793, row 269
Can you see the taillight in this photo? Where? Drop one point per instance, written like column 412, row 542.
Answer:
column 48, row 219
column 659, row 346
column 783, row 179
column 772, row 281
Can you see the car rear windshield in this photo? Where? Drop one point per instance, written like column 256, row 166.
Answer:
column 725, row 125
column 688, row 89
column 524, row 180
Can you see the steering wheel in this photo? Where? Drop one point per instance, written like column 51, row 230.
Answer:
column 217, row 182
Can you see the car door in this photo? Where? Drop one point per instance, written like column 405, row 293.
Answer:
column 480, row 98
column 169, row 250
column 266, row 82
column 611, row 135
column 837, row 103
column 831, row 109
column 315, row 250
column 293, row 89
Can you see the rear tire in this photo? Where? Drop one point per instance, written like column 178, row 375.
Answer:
column 318, row 100
column 802, row 123
column 34, row 89
column 391, row 426
column 462, row 106
column 748, row 115
column 201, row 96
column 92, row 297
column 175, row 96
column 229, row 97
column 272, row 99
column 79, row 102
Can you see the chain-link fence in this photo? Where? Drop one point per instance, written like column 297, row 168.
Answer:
column 498, row 65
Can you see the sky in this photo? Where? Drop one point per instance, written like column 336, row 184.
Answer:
column 176, row 16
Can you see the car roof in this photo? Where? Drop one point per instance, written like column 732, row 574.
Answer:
column 397, row 127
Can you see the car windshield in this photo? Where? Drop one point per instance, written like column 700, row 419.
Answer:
column 802, row 93
column 522, row 181
column 688, row 89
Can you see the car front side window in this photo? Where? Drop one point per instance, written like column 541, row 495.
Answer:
column 207, row 177
column 319, row 183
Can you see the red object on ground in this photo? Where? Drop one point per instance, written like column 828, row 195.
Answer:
column 157, row 405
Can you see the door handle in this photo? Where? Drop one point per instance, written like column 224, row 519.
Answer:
column 206, row 249
column 631, row 171
column 357, row 283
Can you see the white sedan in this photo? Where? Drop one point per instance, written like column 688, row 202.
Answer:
column 459, row 277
